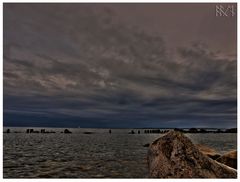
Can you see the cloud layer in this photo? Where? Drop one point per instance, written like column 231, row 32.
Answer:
column 77, row 65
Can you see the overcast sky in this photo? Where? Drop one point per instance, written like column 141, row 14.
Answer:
column 119, row 65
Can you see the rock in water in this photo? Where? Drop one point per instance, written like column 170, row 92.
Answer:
column 229, row 159
column 175, row 156
column 210, row 152
column 67, row 131
column 146, row 145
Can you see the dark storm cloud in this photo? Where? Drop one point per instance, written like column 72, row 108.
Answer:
column 84, row 65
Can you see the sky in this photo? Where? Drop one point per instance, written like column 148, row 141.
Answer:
column 119, row 66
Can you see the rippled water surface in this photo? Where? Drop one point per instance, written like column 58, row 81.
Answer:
column 79, row 155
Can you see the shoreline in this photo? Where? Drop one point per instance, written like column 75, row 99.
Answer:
column 132, row 130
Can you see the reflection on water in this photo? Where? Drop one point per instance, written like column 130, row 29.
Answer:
column 78, row 155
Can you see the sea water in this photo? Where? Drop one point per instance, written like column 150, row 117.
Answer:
column 96, row 155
